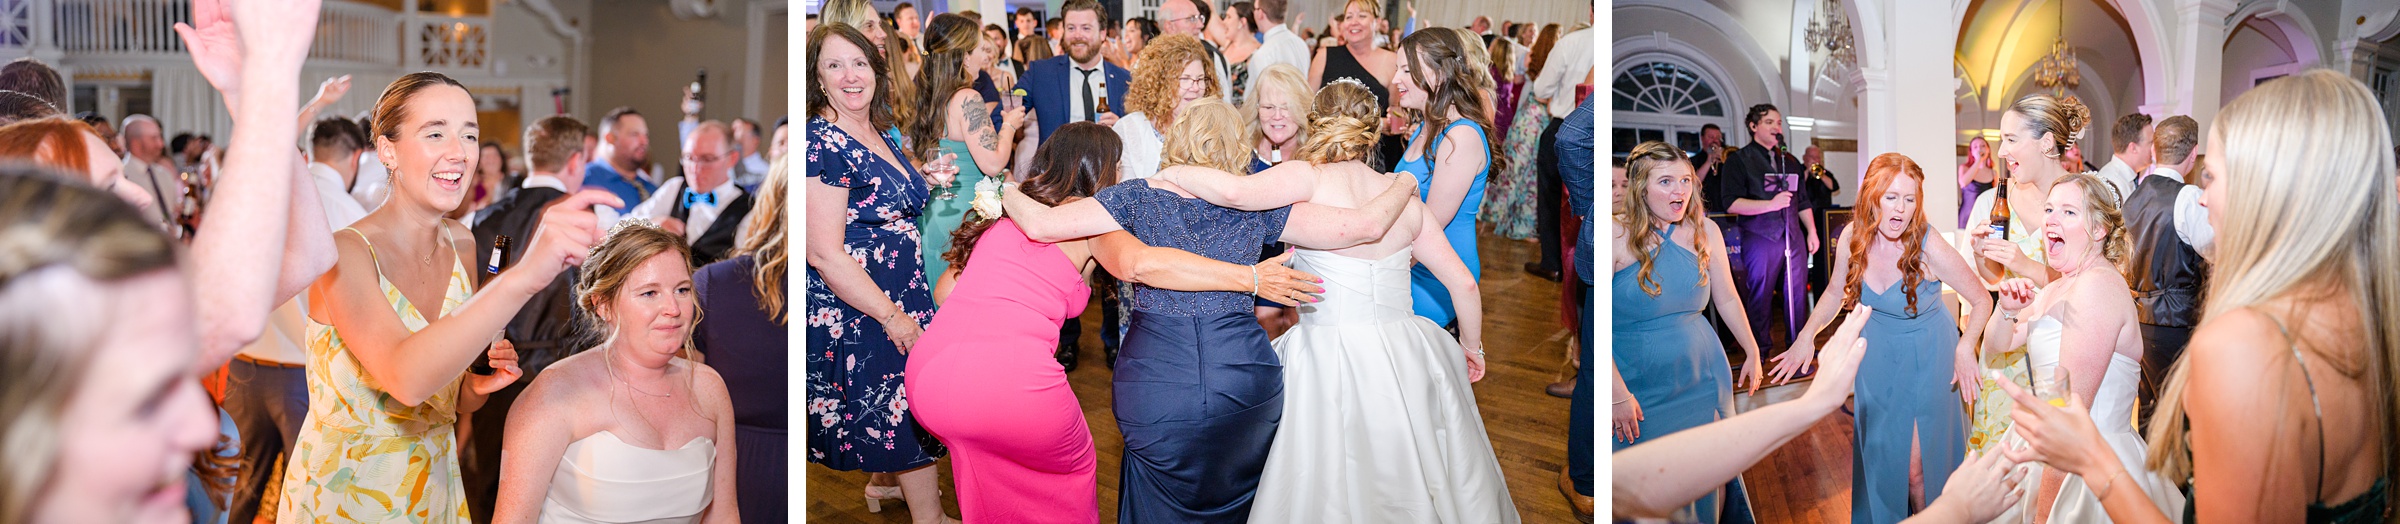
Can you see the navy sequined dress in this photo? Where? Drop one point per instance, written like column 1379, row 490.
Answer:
column 1199, row 391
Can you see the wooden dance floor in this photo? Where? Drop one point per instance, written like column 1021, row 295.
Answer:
column 1526, row 347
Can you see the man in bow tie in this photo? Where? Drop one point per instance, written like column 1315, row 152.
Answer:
column 705, row 206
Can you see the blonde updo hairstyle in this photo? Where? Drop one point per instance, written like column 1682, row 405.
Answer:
column 612, row 264
column 2062, row 120
column 2101, row 210
column 1346, row 118
column 1209, row 133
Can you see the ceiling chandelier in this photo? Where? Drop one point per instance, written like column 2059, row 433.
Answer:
column 2058, row 70
column 1829, row 33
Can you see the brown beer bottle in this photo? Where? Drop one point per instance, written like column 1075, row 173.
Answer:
column 2000, row 209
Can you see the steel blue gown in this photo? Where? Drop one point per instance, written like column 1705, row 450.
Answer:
column 1433, row 300
column 1670, row 357
column 1904, row 387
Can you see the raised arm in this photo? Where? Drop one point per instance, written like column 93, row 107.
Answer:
column 252, row 53
column 1080, row 218
column 1320, row 227
column 1463, row 156
column 1168, row 268
column 413, row 366
column 1655, row 478
column 1285, row 184
column 972, row 120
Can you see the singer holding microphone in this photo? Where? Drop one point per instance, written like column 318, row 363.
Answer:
column 1777, row 232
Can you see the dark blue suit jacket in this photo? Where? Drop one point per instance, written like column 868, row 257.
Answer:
column 1048, row 87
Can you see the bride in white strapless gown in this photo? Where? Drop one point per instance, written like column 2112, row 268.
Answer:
column 605, row 480
column 2112, row 411
column 1379, row 424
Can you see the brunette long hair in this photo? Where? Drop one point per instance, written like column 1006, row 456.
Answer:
column 1078, row 160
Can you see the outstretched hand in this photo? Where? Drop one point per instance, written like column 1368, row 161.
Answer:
column 1279, row 283
column 2062, row 436
column 216, row 47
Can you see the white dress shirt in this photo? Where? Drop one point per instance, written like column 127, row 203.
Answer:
column 374, row 183
column 2121, row 177
column 287, row 325
column 700, row 215
column 1280, row 47
column 1143, row 146
column 340, row 209
column 1570, row 60
column 1078, row 83
column 2191, row 218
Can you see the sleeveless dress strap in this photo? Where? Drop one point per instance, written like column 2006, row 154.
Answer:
column 2318, row 408
column 362, row 237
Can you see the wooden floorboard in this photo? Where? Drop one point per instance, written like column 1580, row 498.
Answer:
column 1526, row 345
column 1807, row 480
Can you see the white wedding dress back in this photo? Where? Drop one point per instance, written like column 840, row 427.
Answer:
column 2112, row 411
column 1379, row 421
column 604, row 480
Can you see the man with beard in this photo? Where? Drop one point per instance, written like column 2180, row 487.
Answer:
column 1069, row 88
column 624, row 149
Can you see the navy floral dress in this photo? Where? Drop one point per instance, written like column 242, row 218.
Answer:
column 858, row 410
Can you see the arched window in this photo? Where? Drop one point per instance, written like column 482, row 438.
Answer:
column 1664, row 88
column 1661, row 98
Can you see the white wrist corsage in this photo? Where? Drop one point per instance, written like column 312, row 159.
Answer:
column 987, row 198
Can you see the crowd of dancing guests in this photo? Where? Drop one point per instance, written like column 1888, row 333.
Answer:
column 1279, row 236
column 2197, row 331
column 440, row 340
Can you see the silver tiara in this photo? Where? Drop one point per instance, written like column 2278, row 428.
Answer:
column 620, row 227
column 1355, row 82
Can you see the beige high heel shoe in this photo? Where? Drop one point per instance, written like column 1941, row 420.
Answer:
column 877, row 494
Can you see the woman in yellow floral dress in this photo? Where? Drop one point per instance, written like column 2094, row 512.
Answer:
column 395, row 324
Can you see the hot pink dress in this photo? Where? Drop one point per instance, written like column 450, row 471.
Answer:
column 983, row 381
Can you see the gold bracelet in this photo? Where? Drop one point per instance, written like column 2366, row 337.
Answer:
column 2102, row 494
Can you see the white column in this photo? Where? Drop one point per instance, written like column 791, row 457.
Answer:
column 2200, row 57
column 1912, row 101
column 993, row 11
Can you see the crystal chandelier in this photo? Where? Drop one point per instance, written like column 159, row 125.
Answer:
column 1829, row 33
column 2057, row 71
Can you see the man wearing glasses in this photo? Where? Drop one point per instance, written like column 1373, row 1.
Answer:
column 704, row 206
column 1190, row 18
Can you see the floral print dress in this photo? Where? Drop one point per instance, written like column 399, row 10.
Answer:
column 364, row 456
column 1509, row 207
column 858, row 416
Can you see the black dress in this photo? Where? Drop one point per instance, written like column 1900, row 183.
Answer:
column 751, row 351
column 1340, row 64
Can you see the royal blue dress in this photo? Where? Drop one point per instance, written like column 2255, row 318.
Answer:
column 858, row 415
column 1199, row 391
column 1904, row 388
column 1433, row 300
column 1671, row 359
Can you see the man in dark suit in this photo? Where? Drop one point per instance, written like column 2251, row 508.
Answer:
column 1061, row 89
column 544, row 331
column 1067, row 88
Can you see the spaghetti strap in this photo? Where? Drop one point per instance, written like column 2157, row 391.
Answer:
column 362, row 237
column 2314, row 405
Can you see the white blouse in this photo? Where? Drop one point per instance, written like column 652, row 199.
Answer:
column 1143, row 146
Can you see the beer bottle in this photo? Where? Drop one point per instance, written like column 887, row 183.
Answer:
column 2000, row 209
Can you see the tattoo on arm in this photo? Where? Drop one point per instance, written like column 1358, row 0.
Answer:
column 979, row 123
